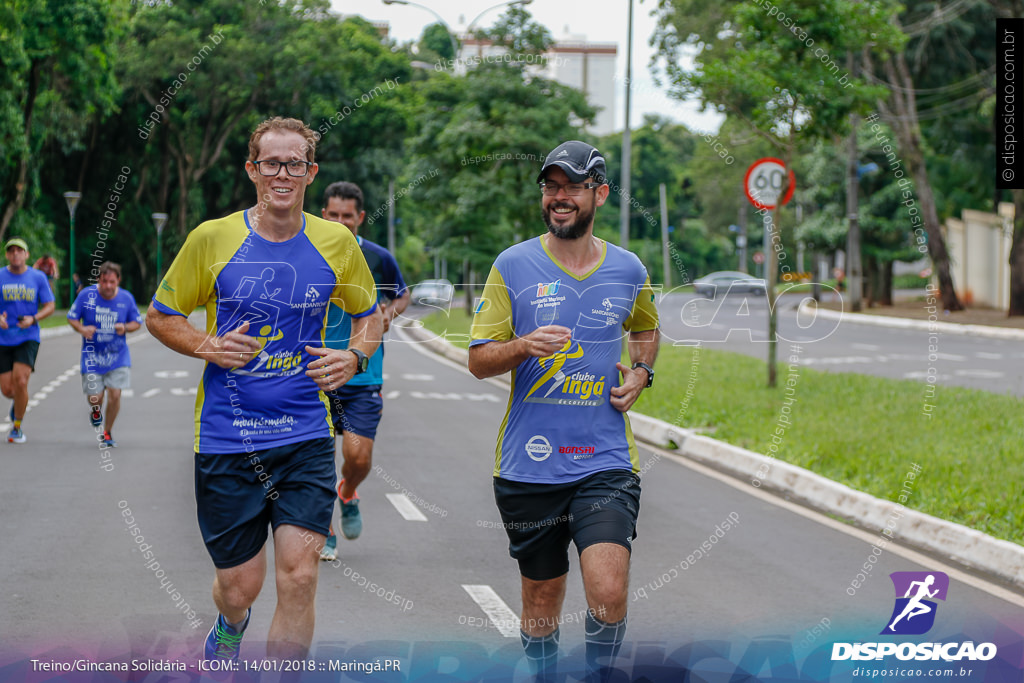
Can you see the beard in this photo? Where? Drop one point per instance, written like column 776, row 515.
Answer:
column 571, row 231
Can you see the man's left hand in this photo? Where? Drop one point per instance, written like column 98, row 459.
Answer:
column 26, row 322
column 633, row 382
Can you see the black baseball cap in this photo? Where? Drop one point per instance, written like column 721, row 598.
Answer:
column 579, row 161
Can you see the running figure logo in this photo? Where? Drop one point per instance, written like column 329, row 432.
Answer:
column 914, row 612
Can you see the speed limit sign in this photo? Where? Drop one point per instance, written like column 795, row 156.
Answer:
column 764, row 182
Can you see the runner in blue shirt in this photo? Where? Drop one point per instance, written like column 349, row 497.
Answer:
column 26, row 299
column 264, row 442
column 356, row 407
column 554, row 311
column 104, row 314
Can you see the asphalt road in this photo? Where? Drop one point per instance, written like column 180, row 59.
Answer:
column 739, row 323
column 430, row 583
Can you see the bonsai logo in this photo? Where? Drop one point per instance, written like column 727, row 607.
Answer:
column 915, row 608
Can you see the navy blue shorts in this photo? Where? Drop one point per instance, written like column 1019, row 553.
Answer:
column 239, row 494
column 541, row 519
column 356, row 409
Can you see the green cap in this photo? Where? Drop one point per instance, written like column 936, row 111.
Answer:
column 16, row 242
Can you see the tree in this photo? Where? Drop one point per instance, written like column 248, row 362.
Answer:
column 661, row 154
column 56, row 78
column 517, row 31
column 485, row 136
column 885, row 237
column 436, row 40
column 778, row 72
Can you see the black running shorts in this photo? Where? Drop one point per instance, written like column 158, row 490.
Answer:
column 541, row 519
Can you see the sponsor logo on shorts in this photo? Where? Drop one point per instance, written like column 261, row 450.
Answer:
column 538, row 448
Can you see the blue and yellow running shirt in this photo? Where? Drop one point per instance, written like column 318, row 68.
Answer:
column 282, row 289
column 560, row 426
column 390, row 285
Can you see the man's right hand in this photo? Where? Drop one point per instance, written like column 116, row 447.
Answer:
column 232, row 350
column 88, row 331
column 546, row 341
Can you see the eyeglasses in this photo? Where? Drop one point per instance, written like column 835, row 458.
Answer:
column 295, row 169
column 573, row 189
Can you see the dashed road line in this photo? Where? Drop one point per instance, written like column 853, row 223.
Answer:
column 500, row 614
column 405, row 507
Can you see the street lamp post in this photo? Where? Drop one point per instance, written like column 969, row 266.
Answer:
column 72, row 199
column 159, row 220
column 627, row 142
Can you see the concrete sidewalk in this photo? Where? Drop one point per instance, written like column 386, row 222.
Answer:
column 962, row 544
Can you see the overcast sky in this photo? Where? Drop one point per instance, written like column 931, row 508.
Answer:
column 599, row 20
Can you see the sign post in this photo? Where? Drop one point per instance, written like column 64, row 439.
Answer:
column 768, row 186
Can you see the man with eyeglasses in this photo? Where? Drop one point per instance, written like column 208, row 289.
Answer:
column 264, row 442
column 553, row 311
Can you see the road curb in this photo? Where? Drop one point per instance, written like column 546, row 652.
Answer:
column 908, row 324
column 967, row 546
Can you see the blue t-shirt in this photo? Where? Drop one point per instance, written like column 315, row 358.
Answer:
column 107, row 350
column 390, row 285
column 560, row 426
column 282, row 290
column 22, row 295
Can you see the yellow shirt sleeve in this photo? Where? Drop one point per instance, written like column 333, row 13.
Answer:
column 644, row 315
column 191, row 279
column 492, row 318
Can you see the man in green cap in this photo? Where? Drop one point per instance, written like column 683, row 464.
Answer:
column 25, row 299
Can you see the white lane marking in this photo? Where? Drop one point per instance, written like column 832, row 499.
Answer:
column 418, row 378
column 923, row 560
column 980, row 374
column 39, row 395
column 925, row 375
column 988, row 356
column 127, row 393
column 866, row 347
column 842, row 360
column 170, row 374
column 150, row 393
column 503, row 618
column 393, row 394
column 178, row 391
column 437, row 395
column 405, row 507
column 951, row 356
column 483, row 397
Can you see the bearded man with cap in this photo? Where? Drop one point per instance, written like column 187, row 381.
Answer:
column 554, row 311
column 25, row 299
